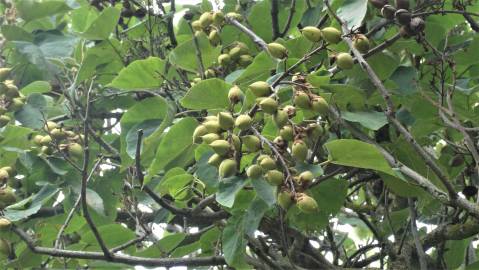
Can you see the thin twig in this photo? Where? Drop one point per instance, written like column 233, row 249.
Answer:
column 420, row 251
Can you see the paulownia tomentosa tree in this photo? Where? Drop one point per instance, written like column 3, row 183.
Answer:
column 269, row 134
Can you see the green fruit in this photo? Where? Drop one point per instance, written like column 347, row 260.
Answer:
column 4, row 73
column 221, row 147
column 274, row 177
column 285, row 199
column 16, row 104
column 3, row 110
column 46, row 150
column 5, row 249
column 214, row 38
column 243, row 122
column 287, row 133
column 403, row 16
column 50, row 125
column 196, row 25
column 75, row 150
column 210, row 137
column 331, row 35
column 361, row 43
column 7, row 197
column 302, row 100
column 210, row 73
column 306, row 204
column 4, row 175
column 212, row 126
column 58, row 134
column 260, row 88
column 299, row 150
column 206, row 19
column 5, row 224
column 290, row 110
column 9, row 169
column 245, row 59
column 12, row 90
column 311, row 33
column 199, row 131
column 226, row 120
column 280, row 118
column 320, row 105
column 227, row 168
column 218, row 18
column 236, row 142
column 4, row 119
column 280, row 142
column 306, row 176
column 269, row 105
column 388, row 12
column 224, row 60
column 235, row 94
column 254, row 171
column 277, row 50
column 234, row 16
column 315, row 130
column 215, row 160
column 344, row 61
column 37, row 139
column 235, row 53
column 251, row 142
column 267, row 163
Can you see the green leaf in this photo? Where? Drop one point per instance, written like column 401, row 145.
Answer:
column 30, row 205
column 358, row 154
column 175, row 149
column 103, row 25
column 227, row 190
column 33, row 9
column 455, row 252
column 39, row 87
column 112, row 234
column 33, row 112
column 140, row 74
column 207, row 94
column 184, row 56
column 353, row 12
column 265, row 191
column 234, row 242
column 407, row 80
column 146, row 114
column 372, row 120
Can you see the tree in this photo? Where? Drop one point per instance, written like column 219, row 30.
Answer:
column 251, row 132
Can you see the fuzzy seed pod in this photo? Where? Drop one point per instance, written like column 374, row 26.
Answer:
column 267, row 163
column 4, row 175
column 299, row 150
column 4, row 120
column 196, row 25
column 280, row 118
column 417, row 25
column 361, row 43
column 277, row 50
column 234, row 16
column 5, row 248
column 4, row 73
column 344, row 61
column 214, row 38
column 5, row 224
column 290, row 110
column 224, row 60
column 306, row 177
column 260, row 88
column 331, row 35
column 315, row 130
column 46, row 140
column 218, row 18
column 226, row 120
column 221, row 147
column 254, row 171
column 206, row 19
column 287, row 133
column 285, row 199
column 227, row 168
column 245, row 60
column 212, row 126
column 306, row 203
column 199, row 131
column 235, row 94
column 311, row 33
column 50, row 125
column 75, row 150
column 320, row 105
column 215, row 160
column 210, row 137
column 7, row 197
column 274, row 177
column 16, row 104
column 302, row 100
column 58, row 134
column 243, row 122
column 37, row 139
column 269, row 105
column 251, row 142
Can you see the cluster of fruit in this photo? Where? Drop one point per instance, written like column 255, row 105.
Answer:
column 129, row 11
column 410, row 26
column 59, row 139
column 5, row 246
column 11, row 100
column 230, row 135
column 210, row 23
column 332, row 35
